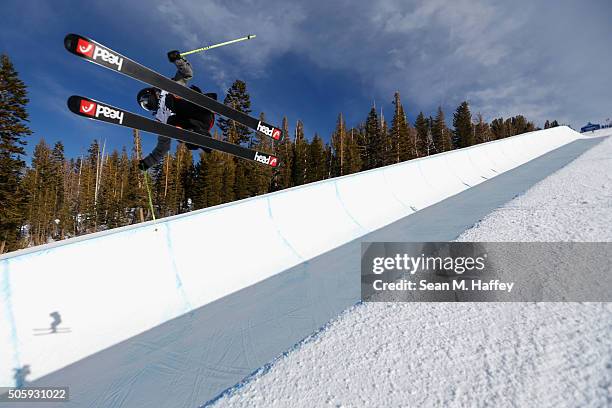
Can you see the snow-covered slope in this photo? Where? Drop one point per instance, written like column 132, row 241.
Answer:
column 190, row 260
column 573, row 205
column 599, row 133
column 467, row 354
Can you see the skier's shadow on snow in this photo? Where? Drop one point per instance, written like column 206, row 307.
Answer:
column 57, row 319
column 53, row 328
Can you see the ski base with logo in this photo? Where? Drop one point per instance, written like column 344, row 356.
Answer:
column 92, row 109
column 103, row 56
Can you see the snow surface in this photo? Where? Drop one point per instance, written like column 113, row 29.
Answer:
column 574, row 204
column 467, row 354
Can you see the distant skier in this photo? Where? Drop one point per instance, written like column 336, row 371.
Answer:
column 174, row 111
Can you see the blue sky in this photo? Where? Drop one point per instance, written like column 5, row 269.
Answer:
column 313, row 60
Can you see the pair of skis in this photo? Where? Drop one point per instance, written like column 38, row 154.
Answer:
column 49, row 330
column 89, row 108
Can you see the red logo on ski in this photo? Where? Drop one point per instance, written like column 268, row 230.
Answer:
column 266, row 159
column 271, row 131
column 87, row 107
column 85, row 47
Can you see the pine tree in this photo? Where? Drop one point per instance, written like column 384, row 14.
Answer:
column 125, row 203
column 462, row 122
column 390, row 146
column 241, row 179
column 48, row 186
column 109, row 210
column 422, row 138
column 13, row 130
column 238, row 98
column 78, row 194
column 482, row 131
column 184, row 172
column 61, row 209
column 498, row 129
column 39, row 184
column 385, row 154
column 316, row 168
column 300, row 156
column 399, row 134
column 430, row 145
column 325, row 170
column 110, row 192
column 95, row 167
column 284, row 152
column 339, row 148
column 509, row 126
column 136, row 189
column 501, row 128
column 441, row 134
column 88, row 194
column 213, row 178
column 520, row 125
column 70, row 200
column 200, row 188
column 353, row 162
column 374, row 141
column 229, row 179
column 164, row 185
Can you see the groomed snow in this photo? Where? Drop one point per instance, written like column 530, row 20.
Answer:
column 467, row 354
column 574, row 204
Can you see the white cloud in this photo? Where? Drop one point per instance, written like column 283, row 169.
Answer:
column 505, row 57
column 201, row 23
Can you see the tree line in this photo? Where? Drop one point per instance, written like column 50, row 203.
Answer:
column 56, row 197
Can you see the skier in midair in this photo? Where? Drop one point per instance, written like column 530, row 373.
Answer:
column 175, row 111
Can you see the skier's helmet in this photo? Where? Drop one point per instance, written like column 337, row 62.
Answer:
column 148, row 98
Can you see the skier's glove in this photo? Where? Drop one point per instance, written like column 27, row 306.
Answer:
column 142, row 165
column 174, row 55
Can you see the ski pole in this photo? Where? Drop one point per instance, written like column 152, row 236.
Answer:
column 210, row 47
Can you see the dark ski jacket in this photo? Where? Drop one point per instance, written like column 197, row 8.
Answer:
column 186, row 115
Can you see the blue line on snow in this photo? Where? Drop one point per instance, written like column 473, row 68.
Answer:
column 346, row 209
column 179, row 282
column 285, row 240
column 8, row 308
